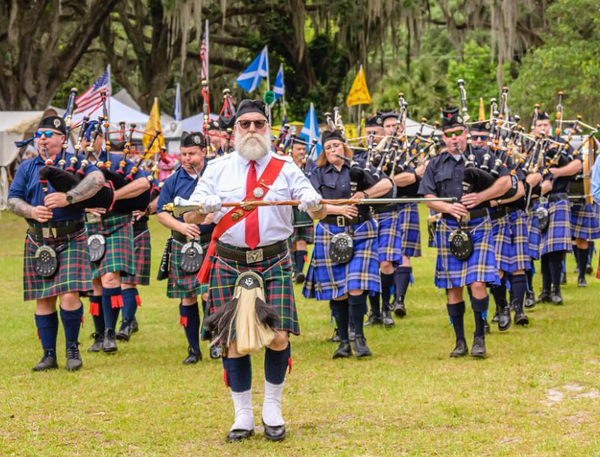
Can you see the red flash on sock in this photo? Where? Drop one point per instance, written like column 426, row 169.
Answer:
column 225, row 378
column 116, row 301
column 183, row 320
column 290, row 365
column 95, row 309
column 138, row 300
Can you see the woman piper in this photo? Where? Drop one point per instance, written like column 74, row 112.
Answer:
column 344, row 281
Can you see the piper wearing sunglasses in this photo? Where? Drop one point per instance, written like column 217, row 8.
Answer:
column 480, row 132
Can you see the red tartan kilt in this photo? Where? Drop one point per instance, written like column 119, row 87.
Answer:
column 73, row 275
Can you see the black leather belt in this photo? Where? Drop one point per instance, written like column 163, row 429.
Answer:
column 140, row 226
column 249, row 256
column 342, row 221
column 378, row 209
column 502, row 211
column 181, row 238
column 557, row 197
column 476, row 213
column 50, row 231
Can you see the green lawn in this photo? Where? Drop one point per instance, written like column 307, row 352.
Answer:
column 537, row 394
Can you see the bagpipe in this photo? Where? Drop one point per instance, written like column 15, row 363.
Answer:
column 63, row 178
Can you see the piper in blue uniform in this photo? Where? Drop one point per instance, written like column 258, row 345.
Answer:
column 344, row 284
column 55, row 224
column 185, row 284
column 444, row 178
column 114, row 232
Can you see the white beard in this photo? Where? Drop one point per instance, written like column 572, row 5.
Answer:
column 253, row 146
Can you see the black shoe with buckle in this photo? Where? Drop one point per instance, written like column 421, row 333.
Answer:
column 239, row 435
column 98, row 341
column 460, row 350
column 74, row 362
column 360, row 347
column 589, row 269
column 478, row 349
column 388, row 322
column 581, row 282
column 135, row 327
column 544, row 297
column 109, row 345
column 48, row 362
column 521, row 319
column 529, row 300
column 124, row 333
column 504, row 320
column 399, row 307
column 374, row 319
column 343, row 351
column 274, row 433
column 194, row 356
column 215, row 352
column 556, row 298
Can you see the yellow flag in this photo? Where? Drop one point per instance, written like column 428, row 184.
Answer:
column 359, row 92
column 152, row 127
column 481, row 109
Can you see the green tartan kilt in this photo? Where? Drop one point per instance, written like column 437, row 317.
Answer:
column 143, row 256
column 181, row 284
column 119, row 256
column 73, row 275
column 279, row 291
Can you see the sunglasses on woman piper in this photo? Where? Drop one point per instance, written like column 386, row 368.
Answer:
column 259, row 124
column 454, row 133
column 46, row 133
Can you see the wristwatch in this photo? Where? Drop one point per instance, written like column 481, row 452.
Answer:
column 69, row 198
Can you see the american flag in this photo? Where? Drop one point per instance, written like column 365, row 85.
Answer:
column 204, row 54
column 91, row 97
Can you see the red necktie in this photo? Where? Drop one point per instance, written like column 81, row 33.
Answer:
column 252, row 234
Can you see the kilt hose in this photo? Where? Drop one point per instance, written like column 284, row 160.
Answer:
column 181, row 284
column 327, row 280
column 557, row 237
column 142, row 255
column 73, row 275
column 389, row 241
column 481, row 266
column 511, row 241
column 535, row 236
column 410, row 232
column 584, row 221
column 279, row 291
column 119, row 257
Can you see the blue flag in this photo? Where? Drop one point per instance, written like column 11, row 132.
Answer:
column 279, row 86
column 251, row 77
column 310, row 132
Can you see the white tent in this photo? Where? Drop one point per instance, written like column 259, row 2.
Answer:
column 195, row 123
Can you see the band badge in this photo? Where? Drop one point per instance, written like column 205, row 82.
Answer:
column 96, row 247
column 57, row 123
column 543, row 218
column 192, row 256
column 342, row 248
column 254, row 256
column 196, row 139
column 461, row 244
column 46, row 261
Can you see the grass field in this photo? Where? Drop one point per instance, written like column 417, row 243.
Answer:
column 537, row 394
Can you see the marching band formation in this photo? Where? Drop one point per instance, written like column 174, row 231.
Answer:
column 242, row 206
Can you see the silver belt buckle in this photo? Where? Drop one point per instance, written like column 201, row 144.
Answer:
column 341, row 221
column 93, row 218
column 254, row 256
column 47, row 232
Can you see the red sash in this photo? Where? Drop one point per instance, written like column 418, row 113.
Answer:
column 238, row 214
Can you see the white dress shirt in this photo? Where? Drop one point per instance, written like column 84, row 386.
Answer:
column 226, row 177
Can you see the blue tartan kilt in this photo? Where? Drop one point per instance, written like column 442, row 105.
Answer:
column 535, row 236
column 479, row 267
column 410, row 231
column 511, row 240
column 557, row 236
column 584, row 221
column 327, row 280
column 389, row 240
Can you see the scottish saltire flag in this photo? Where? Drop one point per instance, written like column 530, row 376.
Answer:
column 92, row 97
column 251, row 77
column 279, row 86
column 310, row 132
column 177, row 112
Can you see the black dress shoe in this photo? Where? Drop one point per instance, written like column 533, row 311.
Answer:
column 529, row 300
column 276, row 433
column 74, row 362
column 521, row 319
column 589, row 269
column 125, row 331
column 109, row 345
column 556, row 298
column 336, row 337
column 504, row 320
column 581, row 282
column 399, row 307
column 360, row 347
column 48, row 362
column 300, row 278
column 239, row 435
column 563, row 278
column 496, row 317
column 374, row 319
column 194, row 356
column 486, row 327
column 135, row 327
column 388, row 322
column 98, row 340
column 544, row 297
column 215, row 352
column 478, row 349
column 343, row 351
column 460, row 350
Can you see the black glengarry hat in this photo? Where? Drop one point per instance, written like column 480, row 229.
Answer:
column 53, row 122
column 451, row 118
column 329, row 135
column 251, row 106
column 189, row 140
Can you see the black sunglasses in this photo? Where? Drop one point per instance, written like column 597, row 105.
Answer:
column 259, row 124
column 479, row 137
column 454, row 133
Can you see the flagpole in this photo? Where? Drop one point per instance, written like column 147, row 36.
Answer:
column 109, row 91
column 268, row 82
